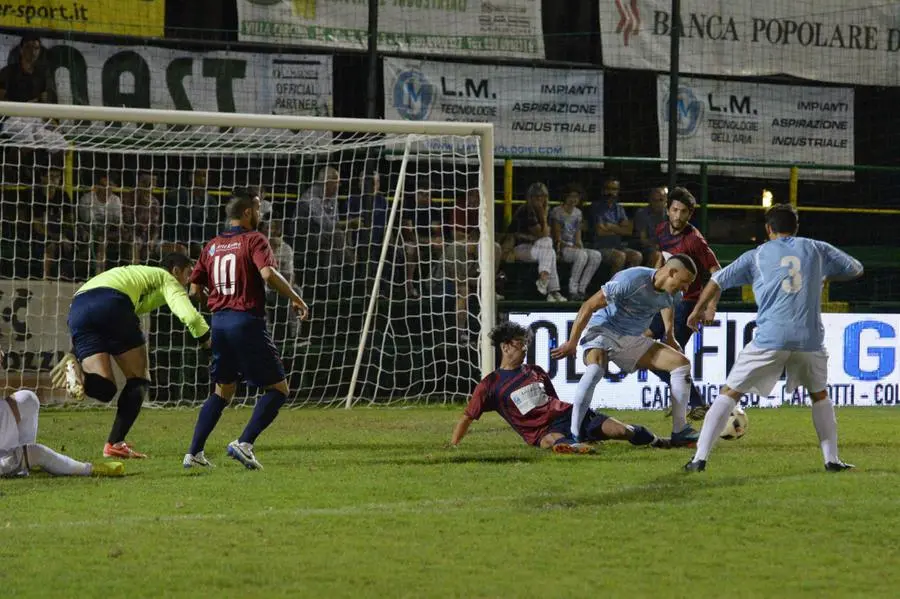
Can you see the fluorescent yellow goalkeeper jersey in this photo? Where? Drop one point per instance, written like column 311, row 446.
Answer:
column 150, row 287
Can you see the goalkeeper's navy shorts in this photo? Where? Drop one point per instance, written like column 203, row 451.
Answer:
column 242, row 349
column 102, row 321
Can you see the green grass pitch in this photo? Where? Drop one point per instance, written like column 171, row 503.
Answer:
column 371, row 503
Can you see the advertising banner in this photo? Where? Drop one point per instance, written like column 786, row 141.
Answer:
column 838, row 41
column 550, row 113
column 741, row 121
column 862, row 362
column 144, row 18
column 485, row 28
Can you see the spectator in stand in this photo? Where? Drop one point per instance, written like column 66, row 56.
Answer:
column 611, row 227
column 100, row 211
column 565, row 226
column 143, row 218
column 367, row 214
column 323, row 235
column 191, row 215
column 533, row 242
column 466, row 230
column 279, row 308
column 646, row 220
column 53, row 226
column 422, row 234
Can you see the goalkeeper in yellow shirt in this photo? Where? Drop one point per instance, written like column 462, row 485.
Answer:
column 105, row 326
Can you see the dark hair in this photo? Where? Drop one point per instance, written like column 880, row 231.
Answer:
column 782, row 218
column 689, row 264
column 680, row 194
column 508, row 331
column 29, row 37
column 175, row 260
column 241, row 201
column 574, row 187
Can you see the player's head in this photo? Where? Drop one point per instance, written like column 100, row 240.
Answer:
column 244, row 208
column 512, row 340
column 677, row 273
column 782, row 219
column 573, row 194
column 680, row 207
column 179, row 265
column 657, row 199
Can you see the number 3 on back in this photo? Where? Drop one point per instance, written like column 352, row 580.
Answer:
column 794, row 281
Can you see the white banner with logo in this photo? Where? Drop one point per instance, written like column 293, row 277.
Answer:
column 153, row 77
column 862, row 362
column 488, row 28
column 840, row 41
column 552, row 113
column 33, row 329
column 734, row 120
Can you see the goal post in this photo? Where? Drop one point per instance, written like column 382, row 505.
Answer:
column 395, row 317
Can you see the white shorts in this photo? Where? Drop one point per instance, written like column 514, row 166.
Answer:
column 624, row 350
column 756, row 370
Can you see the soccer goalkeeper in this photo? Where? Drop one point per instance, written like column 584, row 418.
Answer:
column 104, row 324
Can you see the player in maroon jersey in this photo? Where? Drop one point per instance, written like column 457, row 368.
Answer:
column 679, row 236
column 234, row 269
column 524, row 396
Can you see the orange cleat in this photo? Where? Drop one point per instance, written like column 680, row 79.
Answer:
column 121, row 450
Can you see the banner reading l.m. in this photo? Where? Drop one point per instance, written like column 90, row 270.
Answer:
column 840, row 41
column 758, row 122
column 144, row 18
column 491, row 29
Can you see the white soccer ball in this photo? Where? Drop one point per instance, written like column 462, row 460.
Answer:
column 736, row 426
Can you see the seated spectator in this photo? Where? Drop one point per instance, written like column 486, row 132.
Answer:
column 100, row 212
column 565, row 227
column 143, row 219
column 646, row 220
column 611, row 227
column 53, row 224
column 533, row 242
column 422, row 234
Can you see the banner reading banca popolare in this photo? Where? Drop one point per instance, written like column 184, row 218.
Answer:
column 862, row 362
column 537, row 113
column 152, row 77
column 734, row 120
column 487, row 28
column 839, row 41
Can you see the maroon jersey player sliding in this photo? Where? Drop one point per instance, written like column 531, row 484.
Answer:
column 233, row 270
column 524, row 396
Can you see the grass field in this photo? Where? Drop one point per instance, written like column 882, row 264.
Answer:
column 370, row 503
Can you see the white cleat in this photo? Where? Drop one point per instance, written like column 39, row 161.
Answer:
column 198, row 460
column 243, row 453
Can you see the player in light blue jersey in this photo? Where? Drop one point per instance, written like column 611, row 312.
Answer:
column 787, row 273
column 615, row 320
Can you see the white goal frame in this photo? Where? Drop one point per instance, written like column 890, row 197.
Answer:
column 483, row 131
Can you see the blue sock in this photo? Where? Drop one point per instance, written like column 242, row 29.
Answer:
column 696, row 399
column 263, row 414
column 206, row 421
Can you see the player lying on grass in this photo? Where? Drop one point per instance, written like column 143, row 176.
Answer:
column 524, row 396
column 787, row 273
column 105, row 326
column 233, row 270
column 617, row 318
column 20, row 452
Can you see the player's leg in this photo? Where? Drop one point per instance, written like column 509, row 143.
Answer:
column 810, row 370
column 755, row 369
column 134, row 364
column 40, row 456
column 682, row 335
column 600, row 427
column 28, row 406
column 662, row 357
column 596, row 361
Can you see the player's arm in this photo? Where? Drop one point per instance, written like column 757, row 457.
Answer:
column 276, row 281
column 596, row 302
column 473, row 412
column 668, row 318
column 839, row 265
column 460, row 430
column 180, row 305
column 739, row 272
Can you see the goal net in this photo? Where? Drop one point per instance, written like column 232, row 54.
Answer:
column 385, row 228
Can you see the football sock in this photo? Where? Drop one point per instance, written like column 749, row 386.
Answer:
column 641, row 435
column 826, row 427
column 713, row 424
column 584, row 393
column 264, row 413
column 206, row 421
column 696, row 399
column 53, row 462
column 128, row 407
column 681, row 385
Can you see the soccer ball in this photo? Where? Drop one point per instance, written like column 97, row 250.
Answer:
column 736, row 425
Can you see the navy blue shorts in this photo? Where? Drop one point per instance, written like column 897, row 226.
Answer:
column 242, row 349
column 591, row 426
column 102, row 321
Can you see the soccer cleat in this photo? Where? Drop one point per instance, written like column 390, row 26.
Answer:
column 243, row 453
column 108, row 469
column 698, row 413
column 695, row 466
column 687, row 437
column 197, row 459
column 838, row 466
column 569, row 447
column 661, row 443
column 121, row 450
